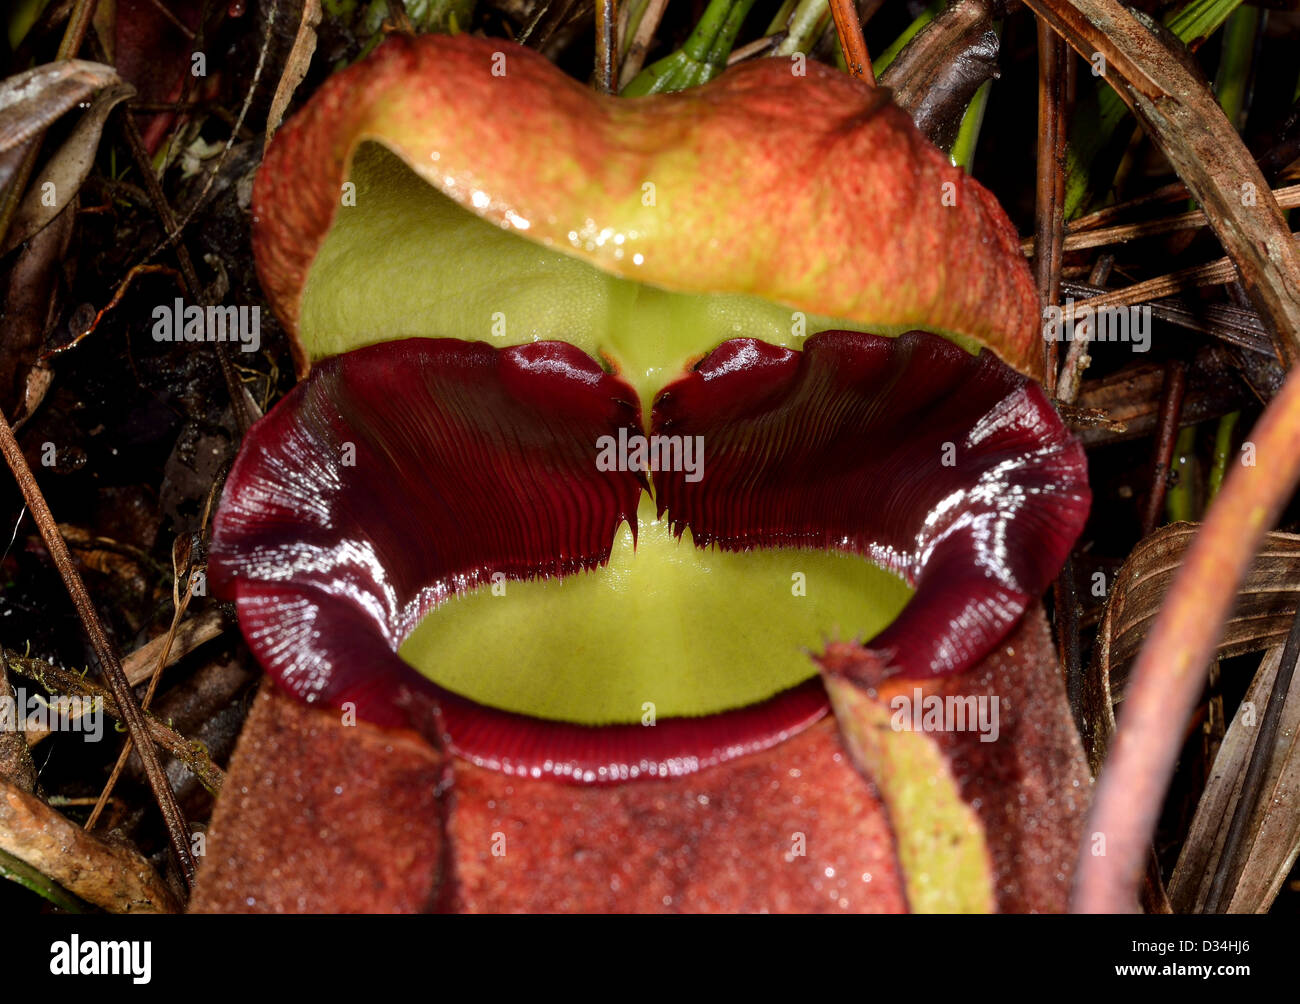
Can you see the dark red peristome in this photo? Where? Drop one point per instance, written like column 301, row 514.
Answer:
column 949, row 469
column 398, row 474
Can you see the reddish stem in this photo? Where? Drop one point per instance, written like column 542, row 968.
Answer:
column 854, row 45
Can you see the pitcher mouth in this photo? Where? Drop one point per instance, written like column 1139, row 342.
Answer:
column 401, row 480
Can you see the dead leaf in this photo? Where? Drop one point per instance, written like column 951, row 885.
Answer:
column 1260, row 619
column 296, row 65
column 60, row 180
column 33, row 303
column 1274, row 828
column 30, row 101
column 941, row 68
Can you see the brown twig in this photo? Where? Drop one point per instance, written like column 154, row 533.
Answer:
column 64, row 682
column 640, row 44
column 1078, row 237
column 1171, row 413
column 1214, row 273
column 181, row 601
column 758, row 47
column 847, row 26
column 1049, row 202
column 139, row 665
column 1066, row 590
column 112, row 303
column 1180, row 114
column 178, row 834
column 1065, row 597
column 1175, row 191
column 1230, row 324
column 607, row 46
column 177, row 23
column 1076, row 356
